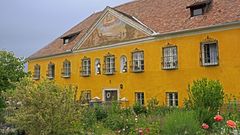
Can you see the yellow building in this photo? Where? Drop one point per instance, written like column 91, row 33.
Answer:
column 146, row 48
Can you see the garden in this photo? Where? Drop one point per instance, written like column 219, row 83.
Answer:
column 46, row 108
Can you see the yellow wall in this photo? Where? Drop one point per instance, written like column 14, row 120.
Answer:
column 154, row 81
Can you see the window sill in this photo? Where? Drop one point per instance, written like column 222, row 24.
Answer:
column 85, row 75
column 36, row 78
column 169, row 68
column 66, row 76
column 50, row 78
column 210, row 64
column 109, row 73
column 137, row 71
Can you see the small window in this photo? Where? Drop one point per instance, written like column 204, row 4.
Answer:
column 170, row 58
column 66, row 70
column 199, row 8
column 97, row 67
column 137, row 61
column 123, row 64
column 172, row 98
column 109, row 67
column 51, row 71
column 139, row 96
column 36, row 74
column 66, row 41
column 209, row 54
column 85, row 96
column 86, row 67
column 197, row 11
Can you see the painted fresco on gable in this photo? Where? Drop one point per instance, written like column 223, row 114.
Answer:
column 111, row 30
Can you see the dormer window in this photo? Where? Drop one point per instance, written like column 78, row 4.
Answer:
column 65, row 41
column 68, row 38
column 199, row 8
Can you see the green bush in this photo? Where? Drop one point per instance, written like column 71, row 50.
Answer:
column 43, row 108
column 139, row 109
column 181, row 123
column 205, row 97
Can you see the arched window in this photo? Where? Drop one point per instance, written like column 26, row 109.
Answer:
column 36, row 74
column 123, row 64
column 97, row 66
column 66, row 70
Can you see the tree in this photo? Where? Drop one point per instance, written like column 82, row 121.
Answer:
column 43, row 108
column 11, row 70
column 205, row 97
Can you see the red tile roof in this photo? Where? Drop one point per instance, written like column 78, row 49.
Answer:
column 160, row 15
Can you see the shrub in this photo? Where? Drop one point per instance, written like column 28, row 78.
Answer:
column 205, row 97
column 139, row 109
column 43, row 108
column 152, row 105
column 181, row 123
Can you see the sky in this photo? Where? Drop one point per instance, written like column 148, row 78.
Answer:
column 28, row 25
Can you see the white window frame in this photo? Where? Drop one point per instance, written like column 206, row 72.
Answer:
column 174, row 101
column 123, row 64
column 109, row 64
column 209, row 53
column 139, row 98
column 66, row 69
column 37, row 72
column 138, row 61
column 51, row 72
column 86, row 67
column 110, row 89
column 170, row 57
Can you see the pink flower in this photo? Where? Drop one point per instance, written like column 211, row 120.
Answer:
column 205, row 126
column 218, row 118
column 231, row 124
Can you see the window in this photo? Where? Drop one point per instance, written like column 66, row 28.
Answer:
column 85, row 96
column 66, row 41
column 109, row 67
column 97, row 67
column 86, row 67
column 36, row 74
column 172, row 98
column 68, row 38
column 138, row 61
column 199, row 8
column 51, row 71
column 197, row 11
column 123, row 64
column 139, row 96
column 66, row 70
column 170, row 58
column 209, row 54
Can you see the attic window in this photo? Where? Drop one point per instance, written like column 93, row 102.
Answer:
column 199, row 8
column 69, row 38
column 65, row 41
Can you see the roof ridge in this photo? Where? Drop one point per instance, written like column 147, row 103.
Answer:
column 130, row 2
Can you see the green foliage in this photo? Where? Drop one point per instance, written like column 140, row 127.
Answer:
column 153, row 105
column 181, row 123
column 139, row 109
column 43, row 108
column 120, row 120
column 205, row 97
column 100, row 112
column 11, row 71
